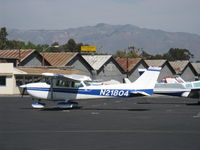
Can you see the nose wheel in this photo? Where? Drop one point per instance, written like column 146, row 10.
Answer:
column 38, row 105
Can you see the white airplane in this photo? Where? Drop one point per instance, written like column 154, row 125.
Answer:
column 71, row 87
column 173, row 86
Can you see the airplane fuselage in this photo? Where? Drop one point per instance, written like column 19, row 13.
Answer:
column 43, row 90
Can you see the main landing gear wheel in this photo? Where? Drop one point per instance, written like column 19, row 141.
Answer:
column 68, row 105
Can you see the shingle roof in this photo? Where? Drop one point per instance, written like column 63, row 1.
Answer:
column 59, row 59
column 132, row 62
column 96, row 61
column 15, row 54
column 179, row 66
column 156, row 62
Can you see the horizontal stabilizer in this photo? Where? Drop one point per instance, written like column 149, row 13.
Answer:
column 139, row 93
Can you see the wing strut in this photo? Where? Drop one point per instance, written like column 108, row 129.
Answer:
column 51, row 89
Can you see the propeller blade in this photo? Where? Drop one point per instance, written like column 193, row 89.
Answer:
column 23, row 92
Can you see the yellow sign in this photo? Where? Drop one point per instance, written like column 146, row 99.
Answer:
column 88, row 48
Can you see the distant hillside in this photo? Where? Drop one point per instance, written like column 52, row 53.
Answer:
column 110, row 38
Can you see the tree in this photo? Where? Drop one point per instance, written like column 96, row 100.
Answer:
column 145, row 55
column 157, row 56
column 71, row 45
column 30, row 45
column 131, row 52
column 178, row 54
column 3, row 39
column 120, row 53
column 78, row 46
column 13, row 44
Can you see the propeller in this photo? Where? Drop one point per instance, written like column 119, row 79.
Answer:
column 23, row 90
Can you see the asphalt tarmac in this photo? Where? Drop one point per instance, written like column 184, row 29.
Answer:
column 150, row 123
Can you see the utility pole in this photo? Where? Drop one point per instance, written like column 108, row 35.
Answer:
column 127, row 64
column 127, row 71
column 19, row 56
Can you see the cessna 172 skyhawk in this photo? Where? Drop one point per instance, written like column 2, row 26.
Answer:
column 70, row 87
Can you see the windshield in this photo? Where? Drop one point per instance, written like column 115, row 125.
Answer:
column 48, row 81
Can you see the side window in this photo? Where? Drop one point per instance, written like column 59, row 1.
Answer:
column 67, row 84
column 63, row 83
column 2, row 80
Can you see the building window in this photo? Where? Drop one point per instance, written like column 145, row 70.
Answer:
column 2, row 80
column 28, row 79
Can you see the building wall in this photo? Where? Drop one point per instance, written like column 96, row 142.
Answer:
column 165, row 71
column 7, row 70
column 110, row 71
column 79, row 64
column 188, row 74
column 33, row 60
column 134, row 73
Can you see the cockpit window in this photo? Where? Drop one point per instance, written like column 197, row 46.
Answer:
column 87, row 83
column 77, row 84
column 48, row 81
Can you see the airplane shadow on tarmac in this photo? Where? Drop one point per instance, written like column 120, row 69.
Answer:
column 86, row 109
column 194, row 104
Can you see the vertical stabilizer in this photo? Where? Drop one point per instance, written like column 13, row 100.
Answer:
column 148, row 79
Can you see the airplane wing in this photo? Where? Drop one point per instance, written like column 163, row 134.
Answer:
column 74, row 77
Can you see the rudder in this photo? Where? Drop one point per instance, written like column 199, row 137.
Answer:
column 148, row 79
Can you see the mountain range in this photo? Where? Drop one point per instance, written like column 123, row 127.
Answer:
column 110, row 38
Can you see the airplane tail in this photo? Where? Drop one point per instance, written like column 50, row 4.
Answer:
column 148, row 79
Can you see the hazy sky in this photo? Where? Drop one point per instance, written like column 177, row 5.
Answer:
column 168, row 15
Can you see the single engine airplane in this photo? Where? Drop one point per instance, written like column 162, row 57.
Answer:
column 173, row 86
column 71, row 87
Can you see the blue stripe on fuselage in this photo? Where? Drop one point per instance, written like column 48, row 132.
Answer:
column 154, row 70
column 99, row 92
